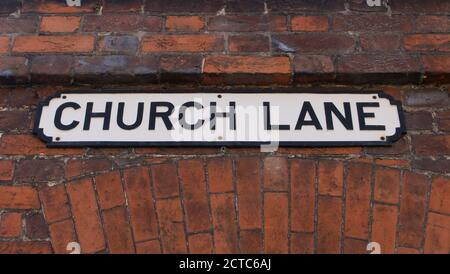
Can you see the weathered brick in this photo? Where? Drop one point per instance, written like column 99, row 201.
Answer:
column 303, row 173
column 29, row 247
column 45, row 44
column 276, row 222
column 427, row 98
column 250, row 241
column 393, row 163
column 4, row 44
column 305, row 5
column 355, row 246
column 384, row 227
column 184, row 23
column 119, row 44
column 220, row 175
column 183, row 43
column 302, row 243
column 14, row 120
column 6, row 170
column 380, row 42
column 9, row 6
column 412, row 210
column 312, row 68
column 85, row 213
column 200, row 243
column 400, row 147
column 56, row 6
column 117, row 230
column 55, row 203
column 122, row 6
column 165, row 180
column 39, row 170
column 30, row 145
column 62, row 233
column 149, row 247
column 18, row 197
column 443, row 121
column 309, row 23
column 276, row 174
column 362, row 6
column 121, row 23
column 24, row 24
column 437, row 239
column 417, row 6
column 320, row 43
column 248, row 43
column 372, row 22
column 10, row 224
column 431, row 144
column 419, row 120
column 407, row 250
column 248, row 191
column 357, row 202
column 109, row 190
column 247, row 23
column 246, row 64
column 194, row 195
column 171, row 225
column 436, row 68
column 427, row 42
column 224, row 221
column 79, row 167
column 13, row 69
column 435, row 165
column 387, row 185
column 237, row 6
column 430, row 23
column 329, row 224
column 60, row 23
column 51, row 69
column 180, row 69
column 330, row 177
column 181, row 6
column 140, row 203
column 440, row 195
column 36, row 226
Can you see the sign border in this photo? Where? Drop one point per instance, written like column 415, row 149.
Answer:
column 389, row 139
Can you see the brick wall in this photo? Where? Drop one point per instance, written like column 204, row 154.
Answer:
column 173, row 200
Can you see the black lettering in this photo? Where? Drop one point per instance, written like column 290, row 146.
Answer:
column 106, row 115
column 231, row 115
column 163, row 115
column 267, row 124
column 182, row 119
column 346, row 120
column 363, row 115
column 139, row 117
column 307, row 109
column 58, row 115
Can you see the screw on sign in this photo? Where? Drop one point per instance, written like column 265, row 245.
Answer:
column 73, row 3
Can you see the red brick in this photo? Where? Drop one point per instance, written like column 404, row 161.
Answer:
column 55, row 203
column 322, row 150
column 149, row 247
column 4, row 44
column 421, row 120
column 184, row 23
column 303, row 174
column 355, row 246
column 109, row 190
column 10, row 225
column 437, row 239
column 200, row 243
column 247, row 64
column 85, row 212
column 412, row 210
column 247, row 23
column 121, row 23
column 276, row 222
column 14, row 120
column 55, row 6
column 309, row 23
column 320, row 43
column 39, row 170
column 430, row 23
column 434, row 145
column 78, row 167
column 118, row 233
column 357, row 200
column 224, row 221
column 45, row 44
column 140, row 203
column 276, row 174
column 302, row 243
column 220, row 175
column 387, row 185
column 313, row 64
column 181, row 6
column 250, row 241
column 24, row 24
column 329, row 224
column 407, row 250
column 380, row 42
column 427, row 42
column 60, row 23
column 248, row 191
column 384, row 227
column 18, row 197
column 30, row 145
column 248, row 43
column 122, row 6
column 36, row 226
column 443, row 121
column 6, row 170
column 438, row 165
column 372, row 22
column 417, row 6
column 392, row 163
column 62, row 233
column 171, row 226
column 183, row 43
column 31, row 247
column 330, row 177
column 440, row 195
column 436, row 63
column 165, row 180
column 195, row 197
column 180, row 69
column 302, row 6
column 380, row 63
